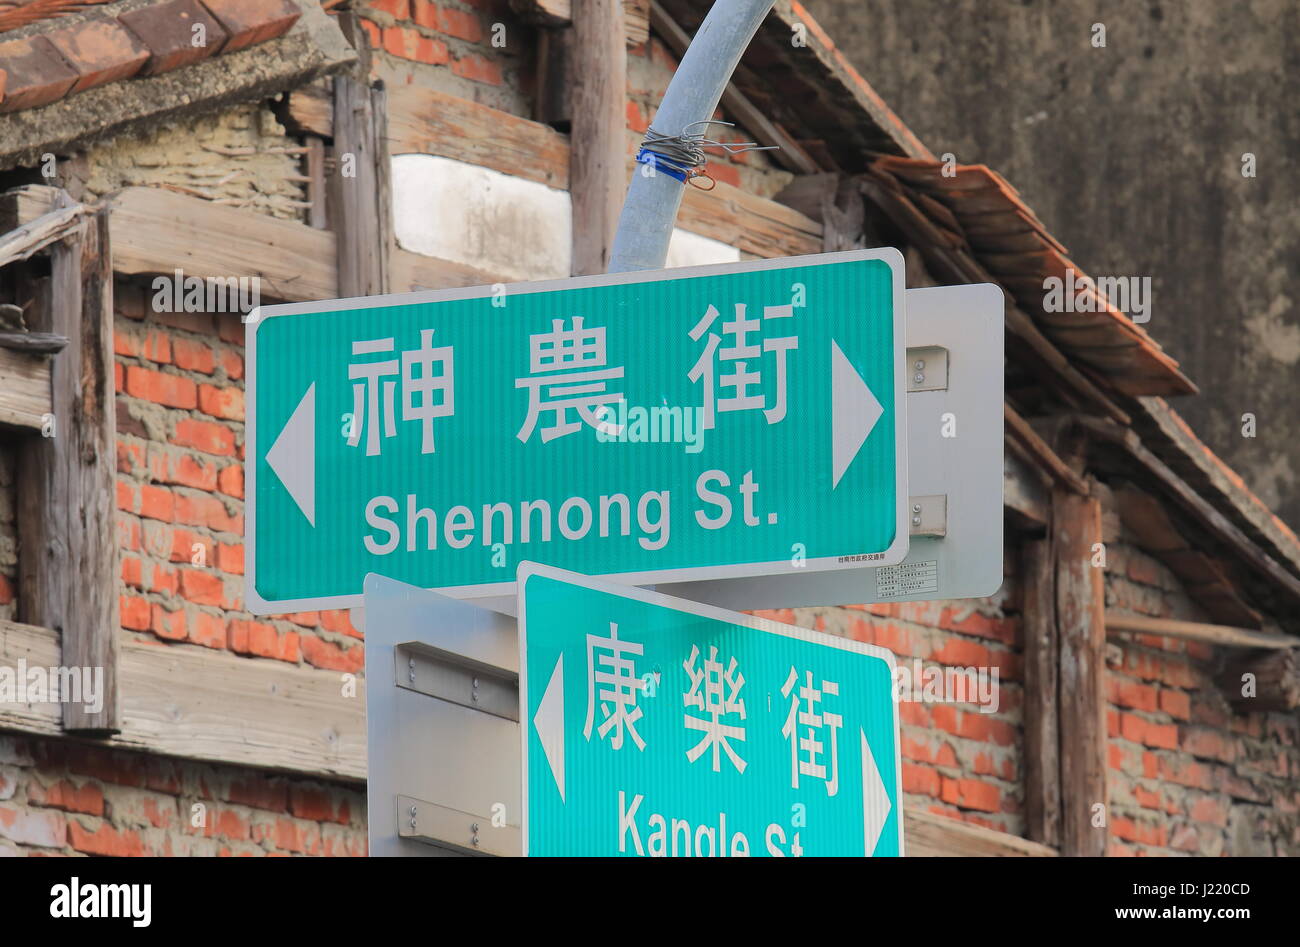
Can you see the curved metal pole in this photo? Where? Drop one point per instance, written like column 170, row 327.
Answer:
column 646, row 224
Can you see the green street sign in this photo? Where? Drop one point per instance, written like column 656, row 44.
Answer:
column 654, row 726
column 702, row 423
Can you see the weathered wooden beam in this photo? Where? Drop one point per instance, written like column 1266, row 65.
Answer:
column 1279, row 538
column 1263, row 682
column 556, row 14
column 207, row 239
column 1193, row 503
column 1206, row 580
column 934, row 836
column 1221, row 635
column 310, row 110
column 25, row 397
column 1042, row 669
column 789, row 153
column 32, row 343
column 317, row 191
column 29, row 238
column 360, row 201
column 1081, row 627
column 947, row 260
column 1023, row 493
column 193, row 703
column 1043, row 455
column 68, row 571
column 597, row 150
column 158, row 231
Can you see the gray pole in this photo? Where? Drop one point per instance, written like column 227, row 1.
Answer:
column 641, row 242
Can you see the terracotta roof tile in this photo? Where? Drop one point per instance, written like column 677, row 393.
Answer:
column 253, row 21
column 974, row 207
column 101, row 51
column 167, row 29
column 37, row 74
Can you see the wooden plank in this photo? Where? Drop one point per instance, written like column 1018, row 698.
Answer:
column 157, row 231
column 1080, row 616
column 1196, row 505
column 1023, row 493
column 1042, row 733
column 361, row 209
column 1043, row 455
column 1223, row 479
column 956, row 265
column 1222, row 635
column 412, row 272
column 749, row 223
column 597, row 151
column 215, row 240
column 19, row 206
column 31, row 343
column 311, row 110
column 316, row 189
column 927, row 835
column 735, row 104
column 633, row 15
column 68, row 572
column 25, row 396
column 21, row 242
column 194, row 703
column 1206, row 581
column 424, row 121
column 1262, row 682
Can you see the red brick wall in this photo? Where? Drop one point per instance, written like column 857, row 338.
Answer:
column 956, row 761
column 180, row 492
column 449, row 44
column 1187, row 773
column 66, row 798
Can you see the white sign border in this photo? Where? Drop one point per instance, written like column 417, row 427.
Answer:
column 894, row 554
column 528, row 569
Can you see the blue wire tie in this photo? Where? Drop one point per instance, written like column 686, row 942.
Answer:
column 660, row 163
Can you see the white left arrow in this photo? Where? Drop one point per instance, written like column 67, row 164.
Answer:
column 549, row 722
column 875, row 799
column 293, row 455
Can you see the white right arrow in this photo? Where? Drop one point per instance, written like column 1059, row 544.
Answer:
column 854, row 412
column 875, row 799
column 293, row 455
column 549, row 722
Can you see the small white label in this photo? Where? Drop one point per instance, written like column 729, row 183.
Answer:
column 910, row 578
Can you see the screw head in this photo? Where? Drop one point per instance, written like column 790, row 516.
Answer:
column 916, row 508
column 919, row 364
column 916, row 521
column 918, row 378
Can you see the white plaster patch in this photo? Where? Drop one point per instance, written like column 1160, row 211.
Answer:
column 503, row 224
column 690, row 249
column 473, row 215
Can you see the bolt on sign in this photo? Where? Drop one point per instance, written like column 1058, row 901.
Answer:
column 711, row 422
column 654, row 726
